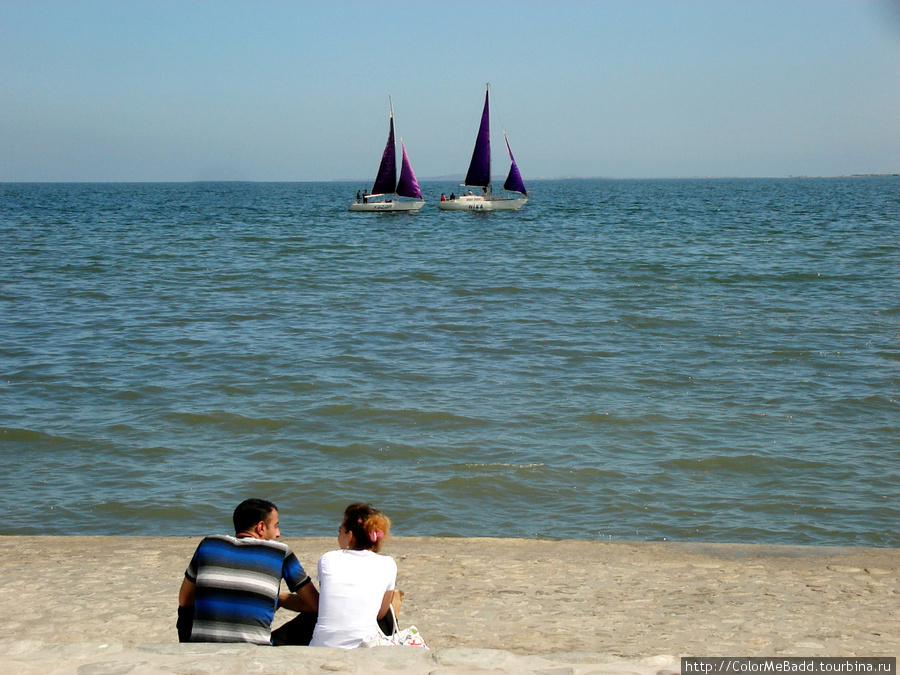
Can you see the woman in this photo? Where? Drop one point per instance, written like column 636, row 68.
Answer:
column 355, row 583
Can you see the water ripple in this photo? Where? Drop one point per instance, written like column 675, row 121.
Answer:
column 705, row 360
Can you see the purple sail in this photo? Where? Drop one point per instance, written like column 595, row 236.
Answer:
column 386, row 180
column 514, row 182
column 479, row 173
column 407, row 186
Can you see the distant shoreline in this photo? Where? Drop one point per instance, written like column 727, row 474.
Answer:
column 454, row 180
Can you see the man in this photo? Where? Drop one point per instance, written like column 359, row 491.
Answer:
column 231, row 587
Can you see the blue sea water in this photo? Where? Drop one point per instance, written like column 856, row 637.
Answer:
column 688, row 360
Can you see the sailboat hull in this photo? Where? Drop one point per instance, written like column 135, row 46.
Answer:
column 483, row 203
column 380, row 207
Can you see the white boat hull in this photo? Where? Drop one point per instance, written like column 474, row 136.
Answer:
column 373, row 207
column 483, row 203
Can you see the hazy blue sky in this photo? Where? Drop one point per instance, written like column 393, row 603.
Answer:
column 187, row 90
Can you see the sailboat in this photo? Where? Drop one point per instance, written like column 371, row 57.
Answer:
column 479, row 175
column 387, row 190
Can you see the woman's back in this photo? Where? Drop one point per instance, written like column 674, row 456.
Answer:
column 352, row 586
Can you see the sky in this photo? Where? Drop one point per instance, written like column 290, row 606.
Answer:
column 270, row 90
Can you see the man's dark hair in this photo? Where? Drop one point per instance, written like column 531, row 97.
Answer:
column 251, row 511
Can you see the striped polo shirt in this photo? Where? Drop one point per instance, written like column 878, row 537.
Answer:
column 237, row 583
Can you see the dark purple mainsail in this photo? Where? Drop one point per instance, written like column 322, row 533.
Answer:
column 514, row 182
column 479, row 173
column 407, row 186
column 386, row 180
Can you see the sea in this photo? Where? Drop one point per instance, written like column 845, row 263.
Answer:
column 699, row 360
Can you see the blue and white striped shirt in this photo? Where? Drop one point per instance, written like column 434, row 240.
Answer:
column 237, row 583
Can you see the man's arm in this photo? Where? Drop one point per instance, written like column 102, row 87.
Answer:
column 186, row 594
column 185, row 623
column 306, row 599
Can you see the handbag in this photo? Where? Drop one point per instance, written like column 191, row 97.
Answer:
column 408, row 637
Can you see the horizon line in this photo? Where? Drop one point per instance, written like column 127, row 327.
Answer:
column 438, row 179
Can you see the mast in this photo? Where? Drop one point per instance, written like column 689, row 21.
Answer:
column 479, row 174
column 386, row 179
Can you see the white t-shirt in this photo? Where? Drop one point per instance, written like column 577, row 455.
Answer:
column 352, row 585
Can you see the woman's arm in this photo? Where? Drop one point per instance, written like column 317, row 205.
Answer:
column 385, row 604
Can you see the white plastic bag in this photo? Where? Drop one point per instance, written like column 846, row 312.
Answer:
column 408, row 637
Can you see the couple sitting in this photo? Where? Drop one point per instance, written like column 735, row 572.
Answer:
column 231, row 587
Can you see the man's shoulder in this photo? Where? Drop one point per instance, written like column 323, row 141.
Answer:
column 244, row 543
column 218, row 541
column 266, row 543
column 219, row 537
